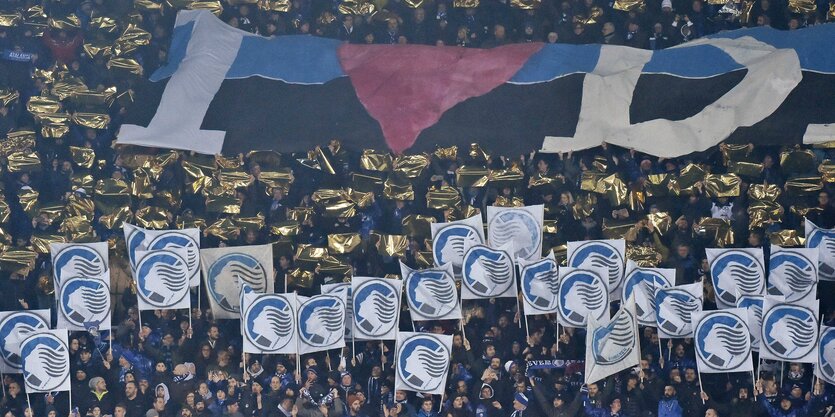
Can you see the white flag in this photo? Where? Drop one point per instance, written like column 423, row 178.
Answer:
column 343, row 289
column 824, row 241
column 753, row 306
column 321, row 323
column 422, row 362
column 723, row 341
column 790, row 330
column 14, row 327
column 269, row 323
column 674, row 307
column 376, row 306
column 540, row 282
column 736, row 271
column 72, row 260
column 609, row 255
column 162, row 279
column 642, row 282
column 450, row 240
column 84, row 303
column 431, row 293
column 825, row 369
column 612, row 347
column 793, row 273
column 582, row 294
column 139, row 239
column 46, row 361
column 488, row 273
column 223, row 270
column 519, row 227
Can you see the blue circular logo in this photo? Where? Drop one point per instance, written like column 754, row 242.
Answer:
column 450, row 242
column 270, row 322
column 789, row 331
column 50, row 368
column 375, row 308
column 615, row 341
column 582, row 293
column 753, row 306
column 344, row 291
column 673, row 309
column 180, row 240
column 135, row 242
column 423, row 362
column 16, row 327
column 518, row 228
column 231, row 268
column 321, row 320
column 85, row 302
column 824, row 240
column 735, row 272
column 540, row 284
column 791, row 275
column 487, row 272
column 602, row 255
column 77, row 261
column 431, row 292
column 826, row 354
column 162, row 278
column 723, row 341
column 642, row 282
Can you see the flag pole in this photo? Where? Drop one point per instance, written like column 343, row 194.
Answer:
column 701, row 387
column 660, row 352
column 461, row 320
column 298, row 349
column 3, row 382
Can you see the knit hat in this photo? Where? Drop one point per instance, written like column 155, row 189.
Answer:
column 666, row 3
column 521, row 399
column 95, row 381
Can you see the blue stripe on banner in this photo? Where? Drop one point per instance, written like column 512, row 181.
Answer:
column 179, row 45
column 557, row 60
column 299, row 59
column 700, row 61
column 813, row 45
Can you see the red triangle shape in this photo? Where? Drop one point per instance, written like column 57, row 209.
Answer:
column 407, row 88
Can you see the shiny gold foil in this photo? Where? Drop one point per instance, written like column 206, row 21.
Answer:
column 398, row 187
column 375, row 161
column 391, row 245
column 24, row 162
column 152, row 218
column 341, row 244
column 443, row 198
column 722, row 185
column 418, row 225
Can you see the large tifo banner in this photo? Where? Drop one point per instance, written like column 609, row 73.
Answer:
column 226, row 90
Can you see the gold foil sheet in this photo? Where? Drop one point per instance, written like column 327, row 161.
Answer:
column 718, row 230
column 24, row 162
column 398, row 187
column 390, row 245
column 223, row 229
column 286, row 228
column 471, row 176
column 412, row 166
column 20, row 261
column 797, row 161
column 721, row 185
column 443, row 198
column 153, row 218
column 372, row 160
column 787, row 239
column 448, row 154
column 343, row 243
column 418, row 225
column 800, row 186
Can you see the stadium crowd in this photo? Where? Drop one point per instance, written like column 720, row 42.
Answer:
column 64, row 181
